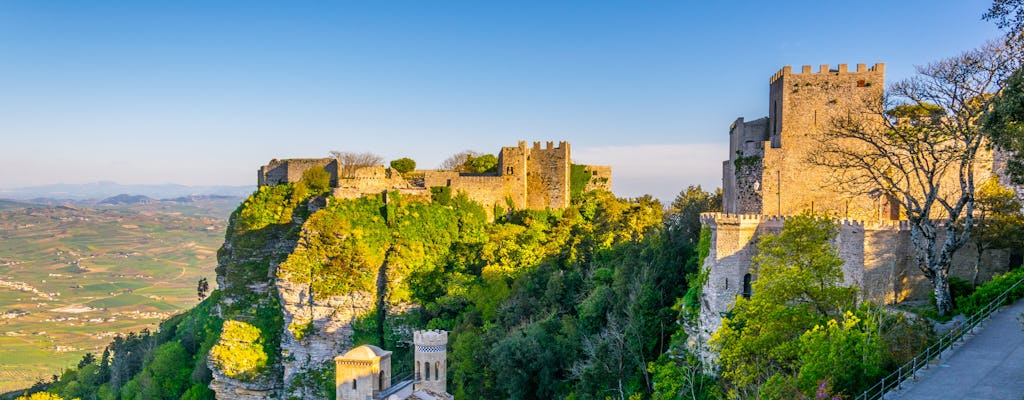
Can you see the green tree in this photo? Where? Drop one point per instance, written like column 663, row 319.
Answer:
column 317, row 180
column 470, row 161
column 797, row 287
column 483, row 163
column 1003, row 124
column 687, row 207
column 999, row 224
column 845, row 353
column 403, row 165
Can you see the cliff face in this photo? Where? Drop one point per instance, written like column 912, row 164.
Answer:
column 299, row 273
column 317, row 331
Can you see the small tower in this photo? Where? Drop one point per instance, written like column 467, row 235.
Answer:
column 431, row 360
column 362, row 373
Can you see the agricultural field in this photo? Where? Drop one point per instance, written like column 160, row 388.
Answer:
column 72, row 277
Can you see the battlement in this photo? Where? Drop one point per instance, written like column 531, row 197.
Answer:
column 842, row 69
column 534, row 177
column 430, row 338
column 714, row 219
column 549, row 145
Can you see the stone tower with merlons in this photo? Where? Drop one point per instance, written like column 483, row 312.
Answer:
column 768, row 170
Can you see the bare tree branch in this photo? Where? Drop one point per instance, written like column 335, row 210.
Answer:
column 919, row 144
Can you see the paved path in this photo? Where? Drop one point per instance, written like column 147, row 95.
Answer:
column 988, row 366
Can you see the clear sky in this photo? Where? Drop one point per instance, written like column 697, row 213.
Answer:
column 204, row 92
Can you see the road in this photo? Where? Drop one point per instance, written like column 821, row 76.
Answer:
column 989, row 365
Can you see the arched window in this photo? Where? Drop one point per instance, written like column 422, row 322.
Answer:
column 747, row 290
column 428, row 372
column 437, row 375
column 353, row 384
column 419, row 372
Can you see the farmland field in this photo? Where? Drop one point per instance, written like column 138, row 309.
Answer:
column 72, row 277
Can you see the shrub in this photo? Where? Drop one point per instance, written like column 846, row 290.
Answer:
column 317, row 180
column 239, row 352
column 987, row 292
column 403, row 165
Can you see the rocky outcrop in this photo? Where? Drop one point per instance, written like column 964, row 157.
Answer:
column 232, row 389
column 317, row 330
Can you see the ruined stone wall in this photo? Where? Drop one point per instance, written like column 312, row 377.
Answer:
column 488, row 190
column 878, row 255
column 530, row 177
column 277, row 172
column 801, row 107
column 369, row 180
column 600, row 177
column 534, row 178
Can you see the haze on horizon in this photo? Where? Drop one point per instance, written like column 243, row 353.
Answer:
column 203, row 94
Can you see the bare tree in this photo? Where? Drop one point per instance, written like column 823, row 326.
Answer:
column 458, row 161
column 350, row 161
column 919, row 144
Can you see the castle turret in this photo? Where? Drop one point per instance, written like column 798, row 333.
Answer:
column 363, row 372
column 431, row 360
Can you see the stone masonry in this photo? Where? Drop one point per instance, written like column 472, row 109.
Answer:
column 768, row 178
column 879, row 259
column 527, row 177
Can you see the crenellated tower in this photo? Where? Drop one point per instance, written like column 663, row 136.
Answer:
column 431, row 358
column 768, row 170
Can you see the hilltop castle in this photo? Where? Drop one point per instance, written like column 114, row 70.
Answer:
column 526, row 178
column 767, row 178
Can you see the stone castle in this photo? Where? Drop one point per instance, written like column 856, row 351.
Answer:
column 768, row 178
column 526, row 178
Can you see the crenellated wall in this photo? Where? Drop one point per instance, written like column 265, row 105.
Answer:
column 878, row 259
column 527, row 178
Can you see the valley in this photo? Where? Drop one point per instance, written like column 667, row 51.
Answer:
column 74, row 276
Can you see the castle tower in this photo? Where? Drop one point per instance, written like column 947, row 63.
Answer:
column 431, row 360
column 802, row 107
column 362, row 373
column 768, row 170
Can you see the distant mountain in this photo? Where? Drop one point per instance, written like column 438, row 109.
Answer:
column 126, row 199
column 61, row 192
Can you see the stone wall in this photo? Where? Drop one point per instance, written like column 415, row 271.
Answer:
column 277, row 171
column 547, row 176
column 369, row 180
column 600, row 177
column 742, row 172
column 801, row 107
column 879, row 260
column 529, row 177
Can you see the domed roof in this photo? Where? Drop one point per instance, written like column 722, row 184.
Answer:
column 366, row 352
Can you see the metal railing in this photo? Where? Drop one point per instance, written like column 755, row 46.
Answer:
column 908, row 370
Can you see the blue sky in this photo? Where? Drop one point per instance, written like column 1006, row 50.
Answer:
column 206, row 92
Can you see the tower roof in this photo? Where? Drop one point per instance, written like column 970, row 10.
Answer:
column 365, row 352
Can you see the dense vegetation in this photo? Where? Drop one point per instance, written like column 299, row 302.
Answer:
column 587, row 302
column 557, row 303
